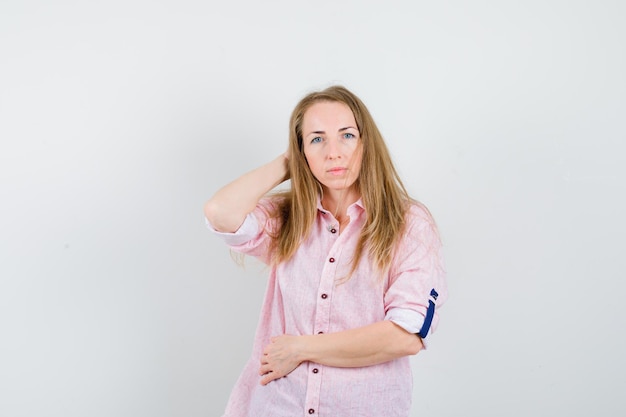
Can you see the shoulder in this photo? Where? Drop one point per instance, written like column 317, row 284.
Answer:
column 418, row 215
column 420, row 229
column 420, row 245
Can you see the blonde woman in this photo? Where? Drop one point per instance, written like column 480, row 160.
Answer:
column 356, row 276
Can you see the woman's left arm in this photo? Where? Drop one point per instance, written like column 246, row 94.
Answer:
column 417, row 289
column 363, row 346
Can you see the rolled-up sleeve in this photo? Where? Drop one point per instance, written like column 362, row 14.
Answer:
column 417, row 285
column 246, row 232
column 253, row 236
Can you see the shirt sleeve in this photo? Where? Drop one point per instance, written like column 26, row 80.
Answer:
column 246, row 232
column 417, row 286
column 253, row 236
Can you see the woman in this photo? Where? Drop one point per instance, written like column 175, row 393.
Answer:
column 356, row 272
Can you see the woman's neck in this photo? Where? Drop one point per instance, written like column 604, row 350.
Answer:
column 338, row 201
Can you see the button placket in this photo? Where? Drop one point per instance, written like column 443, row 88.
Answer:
column 325, row 287
column 322, row 320
column 322, row 315
column 314, row 385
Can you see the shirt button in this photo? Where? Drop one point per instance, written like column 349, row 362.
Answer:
column 324, row 296
column 331, row 260
column 320, row 332
column 315, row 370
column 333, row 230
column 311, row 411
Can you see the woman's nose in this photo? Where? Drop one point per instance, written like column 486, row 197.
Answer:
column 332, row 149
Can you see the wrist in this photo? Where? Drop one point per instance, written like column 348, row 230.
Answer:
column 303, row 350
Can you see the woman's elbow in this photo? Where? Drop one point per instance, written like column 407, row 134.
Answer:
column 407, row 344
column 414, row 345
column 211, row 211
column 216, row 216
column 222, row 219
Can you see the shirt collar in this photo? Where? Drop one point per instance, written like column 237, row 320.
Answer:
column 358, row 203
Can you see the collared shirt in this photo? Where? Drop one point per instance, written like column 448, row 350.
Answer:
column 309, row 294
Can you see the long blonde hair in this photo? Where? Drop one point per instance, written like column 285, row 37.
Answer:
column 384, row 196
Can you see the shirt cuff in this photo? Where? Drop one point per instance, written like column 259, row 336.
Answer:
column 246, row 232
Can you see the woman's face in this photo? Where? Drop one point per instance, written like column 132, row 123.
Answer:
column 332, row 145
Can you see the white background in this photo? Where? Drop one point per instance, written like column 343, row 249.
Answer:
column 118, row 120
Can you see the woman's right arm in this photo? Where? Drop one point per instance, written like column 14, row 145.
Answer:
column 230, row 205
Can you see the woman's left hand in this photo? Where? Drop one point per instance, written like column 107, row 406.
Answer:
column 279, row 358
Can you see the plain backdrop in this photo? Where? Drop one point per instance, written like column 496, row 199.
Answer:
column 119, row 119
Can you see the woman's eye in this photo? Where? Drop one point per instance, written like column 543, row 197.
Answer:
column 348, row 136
column 316, row 139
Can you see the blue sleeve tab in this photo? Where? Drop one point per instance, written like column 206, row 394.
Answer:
column 430, row 313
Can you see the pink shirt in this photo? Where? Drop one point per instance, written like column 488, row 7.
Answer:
column 303, row 298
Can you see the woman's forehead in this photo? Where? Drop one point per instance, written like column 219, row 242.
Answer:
column 328, row 114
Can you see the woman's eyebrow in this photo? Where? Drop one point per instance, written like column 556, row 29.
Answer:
column 317, row 132
column 321, row 132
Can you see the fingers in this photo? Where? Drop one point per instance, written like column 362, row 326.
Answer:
column 267, row 373
column 264, row 369
column 270, row 376
column 267, row 378
column 272, row 363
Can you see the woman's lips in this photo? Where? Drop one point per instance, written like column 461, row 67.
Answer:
column 337, row 171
